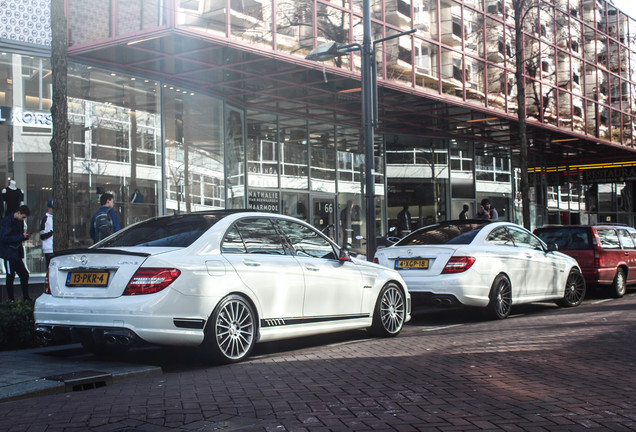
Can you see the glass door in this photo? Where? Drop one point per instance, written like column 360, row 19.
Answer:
column 323, row 214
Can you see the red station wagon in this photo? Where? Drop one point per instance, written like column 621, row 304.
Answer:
column 605, row 253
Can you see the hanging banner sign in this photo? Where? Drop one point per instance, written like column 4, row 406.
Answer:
column 263, row 200
column 25, row 118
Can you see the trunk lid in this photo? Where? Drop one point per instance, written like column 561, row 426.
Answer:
column 96, row 273
column 407, row 258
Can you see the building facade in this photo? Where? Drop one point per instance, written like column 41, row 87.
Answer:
column 186, row 105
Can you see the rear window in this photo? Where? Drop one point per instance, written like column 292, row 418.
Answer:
column 566, row 238
column 446, row 233
column 173, row 231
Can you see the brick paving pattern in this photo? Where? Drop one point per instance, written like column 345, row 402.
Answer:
column 550, row 370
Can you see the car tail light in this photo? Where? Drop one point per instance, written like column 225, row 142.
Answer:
column 597, row 252
column 375, row 260
column 458, row 264
column 151, row 280
column 47, row 285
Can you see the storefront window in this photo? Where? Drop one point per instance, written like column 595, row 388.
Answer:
column 295, row 204
column 262, row 150
column 323, row 157
column 293, row 152
column 114, row 146
column 234, row 157
column 194, row 168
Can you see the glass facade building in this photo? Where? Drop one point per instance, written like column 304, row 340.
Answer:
column 186, row 105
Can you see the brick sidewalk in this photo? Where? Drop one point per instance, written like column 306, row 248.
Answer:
column 549, row 370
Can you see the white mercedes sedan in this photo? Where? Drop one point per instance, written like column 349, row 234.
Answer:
column 221, row 280
column 491, row 265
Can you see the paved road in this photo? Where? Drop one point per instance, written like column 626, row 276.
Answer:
column 543, row 369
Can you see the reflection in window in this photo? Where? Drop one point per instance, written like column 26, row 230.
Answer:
column 37, row 85
column 323, row 157
column 609, row 239
column 307, row 242
column 524, row 239
column 293, row 153
column 500, row 236
column 260, row 236
column 233, row 242
column 194, row 168
column 262, row 150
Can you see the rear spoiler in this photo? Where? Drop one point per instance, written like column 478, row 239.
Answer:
column 98, row 251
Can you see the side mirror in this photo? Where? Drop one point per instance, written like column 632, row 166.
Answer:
column 344, row 256
column 552, row 247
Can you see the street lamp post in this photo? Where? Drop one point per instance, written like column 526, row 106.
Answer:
column 368, row 78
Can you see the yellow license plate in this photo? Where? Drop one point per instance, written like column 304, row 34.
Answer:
column 90, row 279
column 411, row 264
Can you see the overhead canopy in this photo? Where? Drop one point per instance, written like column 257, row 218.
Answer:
column 287, row 84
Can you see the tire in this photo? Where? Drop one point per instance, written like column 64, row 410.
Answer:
column 390, row 312
column 574, row 290
column 500, row 298
column 230, row 333
column 619, row 286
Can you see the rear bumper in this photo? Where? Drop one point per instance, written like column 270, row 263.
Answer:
column 165, row 318
column 604, row 276
column 107, row 335
column 450, row 290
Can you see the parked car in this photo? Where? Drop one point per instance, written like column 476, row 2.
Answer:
column 486, row 264
column 222, row 280
column 605, row 253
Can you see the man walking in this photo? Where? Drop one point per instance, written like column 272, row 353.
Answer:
column 11, row 237
column 105, row 220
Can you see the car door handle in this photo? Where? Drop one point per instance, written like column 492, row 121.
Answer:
column 251, row 263
column 312, row 268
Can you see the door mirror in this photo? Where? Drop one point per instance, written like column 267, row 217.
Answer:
column 344, row 256
column 552, row 247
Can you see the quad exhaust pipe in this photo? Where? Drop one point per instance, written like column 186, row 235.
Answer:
column 44, row 333
column 118, row 337
column 443, row 301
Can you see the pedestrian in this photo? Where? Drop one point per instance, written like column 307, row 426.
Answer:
column 46, row 233
column 404, row 221
column 11, row 250
column 487, row 211
column 105, row 220
column 464, row 213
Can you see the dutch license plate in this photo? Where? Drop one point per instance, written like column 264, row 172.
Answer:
column 411, row 264
column 90, row 279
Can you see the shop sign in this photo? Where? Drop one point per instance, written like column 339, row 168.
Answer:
column 25, row 118
column 609, row 175
column 263, row 201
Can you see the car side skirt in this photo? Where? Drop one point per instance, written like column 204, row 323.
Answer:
column 283, row 328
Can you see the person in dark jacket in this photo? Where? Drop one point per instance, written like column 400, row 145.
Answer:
column 107, row 201
column 11, row 237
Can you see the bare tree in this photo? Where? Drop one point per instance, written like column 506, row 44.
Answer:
column 519, row 9
column 59, row 108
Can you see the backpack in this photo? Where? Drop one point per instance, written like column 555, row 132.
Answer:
column 103, row 225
